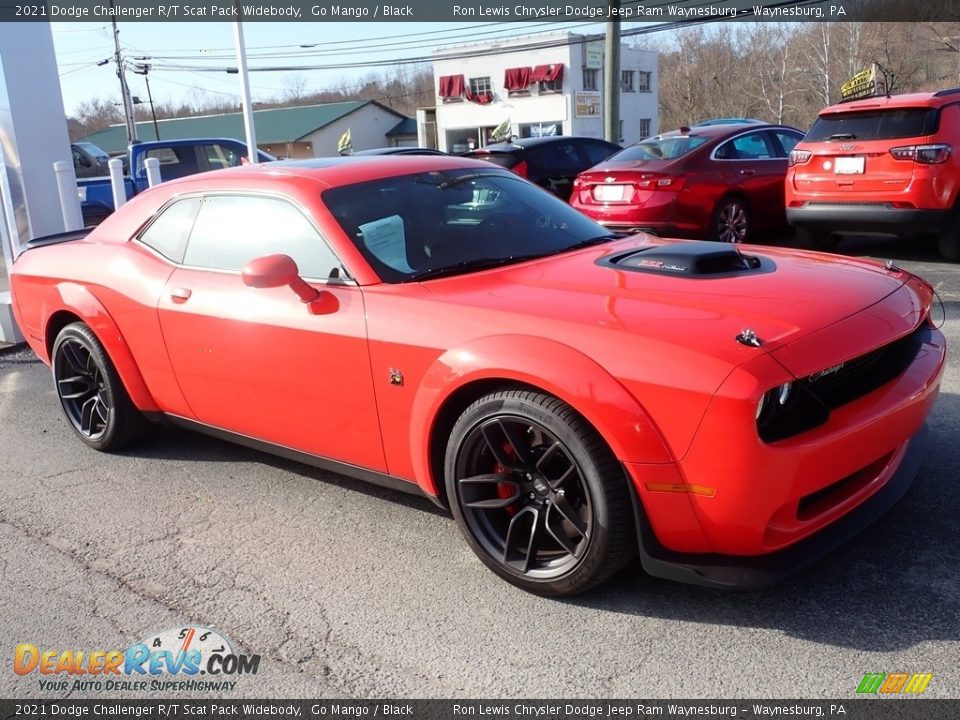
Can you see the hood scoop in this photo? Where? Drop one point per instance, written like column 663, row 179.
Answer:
column 694, row 260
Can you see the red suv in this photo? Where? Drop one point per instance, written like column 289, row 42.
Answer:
column 880, row 165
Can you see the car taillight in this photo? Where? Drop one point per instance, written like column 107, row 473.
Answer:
column 669, row 182
column 923, row 154
column 520, row 168
column 799, row 157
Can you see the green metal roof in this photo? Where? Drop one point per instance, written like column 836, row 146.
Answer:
column 276, row 125
column 407, row 126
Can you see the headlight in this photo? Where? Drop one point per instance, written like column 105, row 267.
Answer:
column 787, row 410
column 761, row 405
column 783, row 395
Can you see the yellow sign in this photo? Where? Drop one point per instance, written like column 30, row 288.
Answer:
column 586, row 104
column 861, row 85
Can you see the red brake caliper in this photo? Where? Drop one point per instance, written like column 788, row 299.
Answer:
column 505, row 490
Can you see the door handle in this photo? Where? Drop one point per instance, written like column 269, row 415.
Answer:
column 748, row 172
column 180, row 294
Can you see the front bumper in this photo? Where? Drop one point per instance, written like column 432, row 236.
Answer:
column 747, row 572
column 866, row 217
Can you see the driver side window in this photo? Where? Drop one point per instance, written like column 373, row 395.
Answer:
column 231, row 230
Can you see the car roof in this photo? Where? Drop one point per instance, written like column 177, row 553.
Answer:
column 334, row 171
column 728, row 121
column 720, row 130
column 400, row 150
column 924, row 99
column 532, row 142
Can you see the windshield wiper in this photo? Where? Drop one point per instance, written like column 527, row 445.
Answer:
column 842, row 136
column 593, row 241
column 474, row 264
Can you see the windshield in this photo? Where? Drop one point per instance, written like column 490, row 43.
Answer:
column 670, row 147
column 875, row 124
column 93, row 150
column 428, row 224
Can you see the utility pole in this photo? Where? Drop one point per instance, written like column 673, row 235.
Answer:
column 144, row 69
column 611, row 75
column 124, row 90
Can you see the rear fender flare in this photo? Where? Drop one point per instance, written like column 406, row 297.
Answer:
column 78, row 300
column 554, row 368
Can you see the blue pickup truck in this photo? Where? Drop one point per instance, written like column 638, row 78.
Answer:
column 177, row 159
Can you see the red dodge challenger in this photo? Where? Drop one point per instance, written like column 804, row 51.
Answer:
column 443, row 326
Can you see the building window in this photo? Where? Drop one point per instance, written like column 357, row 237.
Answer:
column 626, row 81
column 590, row 79
column 644, row 78
column 549, row 78
column 644, row 127
column 620, row 132
column 543, row 129
column 480, row 85
column 550, row 86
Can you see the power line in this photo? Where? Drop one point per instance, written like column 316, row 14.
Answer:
column 473, row 52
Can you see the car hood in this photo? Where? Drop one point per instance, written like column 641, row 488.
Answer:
column 795, row 295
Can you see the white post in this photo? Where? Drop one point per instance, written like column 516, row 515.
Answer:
column 69, row 200
column 153, row 171
column 116, row 183
column 245, row 92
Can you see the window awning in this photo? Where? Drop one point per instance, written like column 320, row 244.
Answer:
column 452, row 86
column 517, row 78
column 547, row 73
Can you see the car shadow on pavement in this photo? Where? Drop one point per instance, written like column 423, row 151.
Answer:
column 173, row 443
column 894, row 586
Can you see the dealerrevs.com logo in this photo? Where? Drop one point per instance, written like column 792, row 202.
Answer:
column 187, row 658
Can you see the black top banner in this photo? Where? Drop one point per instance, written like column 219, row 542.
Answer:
column 680, row 12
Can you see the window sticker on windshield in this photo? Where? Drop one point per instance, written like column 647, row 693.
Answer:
column 385, row 239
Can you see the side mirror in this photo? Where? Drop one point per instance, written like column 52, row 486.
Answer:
column 272, row 271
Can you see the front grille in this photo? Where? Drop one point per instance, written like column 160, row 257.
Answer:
column 864, row 374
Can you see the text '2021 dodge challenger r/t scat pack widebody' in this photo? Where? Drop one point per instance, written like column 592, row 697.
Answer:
column 444, row 326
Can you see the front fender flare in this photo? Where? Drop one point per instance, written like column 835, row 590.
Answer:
column 78, row 300
column 551, row 366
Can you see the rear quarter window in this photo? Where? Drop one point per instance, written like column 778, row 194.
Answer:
column 504, row 160
column 888, row 124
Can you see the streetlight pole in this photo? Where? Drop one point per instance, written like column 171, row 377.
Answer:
column 252, row 154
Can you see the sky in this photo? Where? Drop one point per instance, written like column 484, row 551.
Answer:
column 80, row 46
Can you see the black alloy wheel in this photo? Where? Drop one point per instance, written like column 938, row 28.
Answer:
column 91, row 393
column 537, row 493
column 731, row 221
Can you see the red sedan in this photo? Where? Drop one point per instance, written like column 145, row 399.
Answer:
column 443, row 326
column 720, row 182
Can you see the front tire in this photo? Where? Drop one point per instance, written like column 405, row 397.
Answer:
column 538, row 495
column 93, row 398
column 731, row 221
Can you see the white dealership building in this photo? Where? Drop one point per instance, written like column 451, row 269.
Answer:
column 543, row 85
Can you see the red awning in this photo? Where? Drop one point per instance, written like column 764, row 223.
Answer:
column 517, row 78
column 451, row 86
column 546, row 73
column 540, row 73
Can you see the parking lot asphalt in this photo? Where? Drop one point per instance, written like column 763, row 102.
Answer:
column 347, row 590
